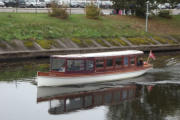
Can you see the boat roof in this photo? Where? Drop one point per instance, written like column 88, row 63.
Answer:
column 101, row 54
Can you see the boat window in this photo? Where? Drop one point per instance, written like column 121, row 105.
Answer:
column 75, row 65
column 132, row 60
column 58, row 64
column 99, row 63
column 125, row 61
column 109, row 62
column 118, row 61
column 89, row 65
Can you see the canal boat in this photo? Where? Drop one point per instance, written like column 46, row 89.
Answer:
column 93, row 67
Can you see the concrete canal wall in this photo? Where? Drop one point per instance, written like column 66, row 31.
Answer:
column 31, row 49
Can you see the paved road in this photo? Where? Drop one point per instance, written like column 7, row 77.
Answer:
column 70, row 10
column 45, row 10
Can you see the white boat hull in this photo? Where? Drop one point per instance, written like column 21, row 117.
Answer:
column 61, row 81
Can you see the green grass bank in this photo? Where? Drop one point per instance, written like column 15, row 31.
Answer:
column 30, row 26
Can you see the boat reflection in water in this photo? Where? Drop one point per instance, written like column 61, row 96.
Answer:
column 67, row 99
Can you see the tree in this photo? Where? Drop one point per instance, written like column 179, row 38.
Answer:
column 121, row 4
column 140, row 5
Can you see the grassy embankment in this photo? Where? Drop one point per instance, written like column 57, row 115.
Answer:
column 42, row 28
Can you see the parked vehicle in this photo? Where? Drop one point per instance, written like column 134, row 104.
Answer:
column 178, row 6
column 106, row 4
column 13, row 3
column 164, row 6
column 74, row 4
column 2, row 4
column 10, row 3
column 82, row 4
column 36, row 3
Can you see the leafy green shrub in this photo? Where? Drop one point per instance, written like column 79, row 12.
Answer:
column 140, row 12
column 59, row 12
column 165, row 14
column 92, row 11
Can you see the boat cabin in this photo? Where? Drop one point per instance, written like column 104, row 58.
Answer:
column 96, row 62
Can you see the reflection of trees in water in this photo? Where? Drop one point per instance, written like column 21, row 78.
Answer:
column 159, row 76
column 122, row 111
column 163, row 100
column 22, row 69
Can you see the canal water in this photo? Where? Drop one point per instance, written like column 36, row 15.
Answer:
column 153, row 96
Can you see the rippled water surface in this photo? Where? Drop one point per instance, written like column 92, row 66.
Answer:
column 156, row 97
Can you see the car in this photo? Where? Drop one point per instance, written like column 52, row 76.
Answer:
column 106, row 4
column 20, row 3
column 10, row 3
column 178, row 6
column 82, row 4
column 2, row 4
column 74, row 4
column 37, row 4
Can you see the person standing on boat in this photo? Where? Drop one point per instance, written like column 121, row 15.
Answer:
column 140, row 62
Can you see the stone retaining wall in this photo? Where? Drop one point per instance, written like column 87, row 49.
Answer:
column 20, row 49
column 47, row 53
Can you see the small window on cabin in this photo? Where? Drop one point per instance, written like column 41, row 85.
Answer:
column 118, row 61
column 89, row 65
column 99, row 63
column 126, row 61
column 132, row 60
column 109, row 62
column 58, row 64
column 75, row 65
